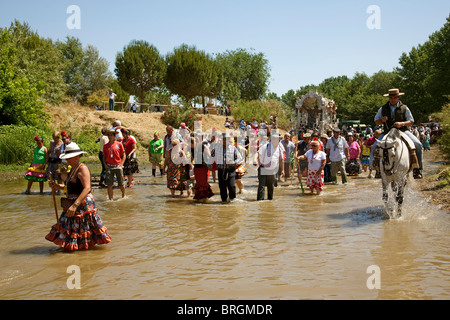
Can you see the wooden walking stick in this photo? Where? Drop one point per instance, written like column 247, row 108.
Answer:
column 292, row 165
column 300, row 175
column 54, row 198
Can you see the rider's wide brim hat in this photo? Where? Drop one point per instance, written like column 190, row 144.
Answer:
column 72, row 150
column 393, row 93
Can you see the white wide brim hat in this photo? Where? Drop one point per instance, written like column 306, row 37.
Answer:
column 72, row 150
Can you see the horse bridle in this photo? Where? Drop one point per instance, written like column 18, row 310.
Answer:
column 390, row 171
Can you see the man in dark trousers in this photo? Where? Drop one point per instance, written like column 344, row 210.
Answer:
column 227, row 158
column 269, row 157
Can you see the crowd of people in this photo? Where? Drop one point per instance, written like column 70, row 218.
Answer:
column 187, row 158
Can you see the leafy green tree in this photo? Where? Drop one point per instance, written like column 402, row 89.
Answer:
column 140, row 68
column 20, row 100
column 72, row 52
column 39, row 61
column 381, row 81
column 160, row 95
column 215, row 79
column 191, row 73
column 424, row 74
column 249, row 72
column 290, row 99
column 122, row 95
column 85, row 72
column 230, row 92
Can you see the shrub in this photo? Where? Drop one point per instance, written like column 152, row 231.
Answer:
column 17, row 143
column 174, row 115
column 444, row 141
column 261, row 110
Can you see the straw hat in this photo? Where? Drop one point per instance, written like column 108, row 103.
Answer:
column 393, row 93
column 72, row 150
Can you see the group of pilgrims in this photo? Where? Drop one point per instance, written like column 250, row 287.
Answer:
column 187, row 158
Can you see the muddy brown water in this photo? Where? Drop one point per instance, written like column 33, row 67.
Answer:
column 294, row 247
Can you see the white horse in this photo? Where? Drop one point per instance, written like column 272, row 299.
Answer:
column 394, row 168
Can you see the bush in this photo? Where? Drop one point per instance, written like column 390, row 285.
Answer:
column 17, row 143
column 86, row 139
column 261, row 110
column 444, row 141
column 174, row 115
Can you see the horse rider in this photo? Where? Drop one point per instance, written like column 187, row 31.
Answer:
column 395, row 114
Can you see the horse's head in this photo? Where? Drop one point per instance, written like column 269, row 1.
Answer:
column 388, row 154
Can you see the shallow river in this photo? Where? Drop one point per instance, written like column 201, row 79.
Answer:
column 294, row 247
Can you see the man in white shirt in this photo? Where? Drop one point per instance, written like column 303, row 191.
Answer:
column 111, row 97
column 337, row 152
column 269, row 157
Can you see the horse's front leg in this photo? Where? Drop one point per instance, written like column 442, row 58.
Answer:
column 399, row 196
column 386, row 198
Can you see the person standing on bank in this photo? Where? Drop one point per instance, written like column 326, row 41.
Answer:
column 395, row 114
column 79, row 227
column 227, row 157
column 111, row 97
column 114, row 157
column 337, row 152
column 269, row 157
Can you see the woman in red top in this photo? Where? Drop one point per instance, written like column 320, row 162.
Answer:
column 131, row 164
column 113, row 159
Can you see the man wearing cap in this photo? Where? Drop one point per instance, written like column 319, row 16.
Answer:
column 395, row 114
column 302, row 147
column 117, row 126
column 289, row 147
column 113, row 158
column 338, row 153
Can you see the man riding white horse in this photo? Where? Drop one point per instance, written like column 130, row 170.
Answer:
column 394, row 114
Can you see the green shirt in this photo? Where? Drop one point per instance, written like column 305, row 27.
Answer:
column 156, row 144
column 39, row 156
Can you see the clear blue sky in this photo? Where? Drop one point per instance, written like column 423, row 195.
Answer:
column 304, row 41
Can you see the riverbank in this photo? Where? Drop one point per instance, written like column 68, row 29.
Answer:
column 436, row 183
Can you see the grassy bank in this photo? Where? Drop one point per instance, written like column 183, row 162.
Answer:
column 437, row 187
column 84, row 124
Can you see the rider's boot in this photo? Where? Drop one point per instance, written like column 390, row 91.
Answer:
column 413, row 160
column 417, row 174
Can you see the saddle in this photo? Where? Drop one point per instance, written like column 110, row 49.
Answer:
column 413, row 160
